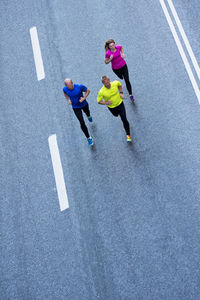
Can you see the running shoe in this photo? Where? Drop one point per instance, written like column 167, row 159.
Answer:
column 90, row 141
column 128, row 139
column 90, row 119
column 132, row 99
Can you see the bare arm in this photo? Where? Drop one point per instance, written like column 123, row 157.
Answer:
column 68, row 100
column 120, row 91
column 108, row 60
column 122, row 51
column 109, row 102
column 85, row 96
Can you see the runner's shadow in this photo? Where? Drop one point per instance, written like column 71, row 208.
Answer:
column 93, row 128
column 131, row 147
column 93, row 150
column 134, row 107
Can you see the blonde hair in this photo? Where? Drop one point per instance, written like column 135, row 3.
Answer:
column 107, row 44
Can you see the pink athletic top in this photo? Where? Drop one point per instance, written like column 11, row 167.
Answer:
column 117, row 61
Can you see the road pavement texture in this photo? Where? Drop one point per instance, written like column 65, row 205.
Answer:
column 132, row 229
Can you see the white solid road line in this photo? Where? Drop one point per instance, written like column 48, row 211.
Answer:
column 58, row 172
column 184, row 37
column 181, row 51
column 37, row 53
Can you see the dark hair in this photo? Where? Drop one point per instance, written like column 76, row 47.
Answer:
column 107, row 44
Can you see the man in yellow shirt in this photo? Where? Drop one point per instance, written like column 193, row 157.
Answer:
column 112, row 94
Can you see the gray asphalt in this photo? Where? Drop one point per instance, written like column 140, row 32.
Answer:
column 132, row 230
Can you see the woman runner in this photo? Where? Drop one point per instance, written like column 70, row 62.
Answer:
column 119, row 66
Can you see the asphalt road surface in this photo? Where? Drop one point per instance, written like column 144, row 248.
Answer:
column 132, row 229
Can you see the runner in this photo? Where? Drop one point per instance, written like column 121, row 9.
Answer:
column 112, row 94
column 119, row 66
column 74, row 95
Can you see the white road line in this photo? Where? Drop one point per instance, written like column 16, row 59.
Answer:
column 185, row 39
column 58, row 172
column 181, row 51
column 37, row 54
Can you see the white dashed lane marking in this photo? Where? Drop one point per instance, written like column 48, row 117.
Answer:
column 58, row 172
column 37, row 54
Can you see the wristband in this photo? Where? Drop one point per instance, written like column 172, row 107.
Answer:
column 121, row 92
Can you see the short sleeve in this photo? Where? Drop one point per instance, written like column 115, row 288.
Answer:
column 117, row 83
column 99, row 96
column 64, row 90
column 83, row 88
column 107, row 54
column 119, row 47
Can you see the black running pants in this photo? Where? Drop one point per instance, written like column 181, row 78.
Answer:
column 122, row 73
column 120, row 110
column 79, row 115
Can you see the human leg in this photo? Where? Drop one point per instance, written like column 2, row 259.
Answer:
column 122, row 113
column 87, row 112
column 125, row 73
column 79, row 115
column 114, row 111
column 118, row 72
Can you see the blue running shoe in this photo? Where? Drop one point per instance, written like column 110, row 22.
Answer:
column 90, row 119
column 90, row 141
column 132, row 99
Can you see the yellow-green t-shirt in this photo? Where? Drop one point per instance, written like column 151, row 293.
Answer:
column 110, row 94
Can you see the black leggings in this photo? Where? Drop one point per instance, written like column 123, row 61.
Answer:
column 79, row 115
column 120, row 110
column 123, row 73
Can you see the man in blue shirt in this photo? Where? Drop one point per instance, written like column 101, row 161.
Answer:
column 74, row 95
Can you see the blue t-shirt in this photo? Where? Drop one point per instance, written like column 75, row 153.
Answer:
column 76, row 94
